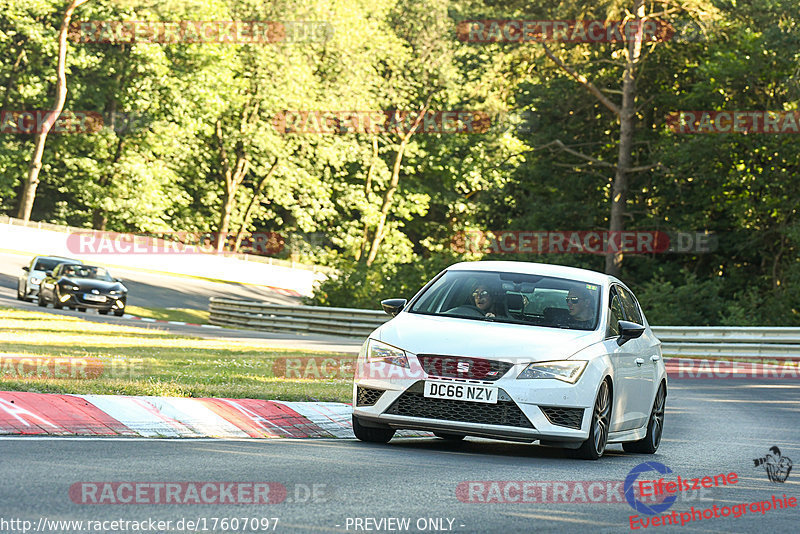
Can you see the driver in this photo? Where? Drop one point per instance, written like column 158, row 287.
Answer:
column 579, row 303
column 485, row 297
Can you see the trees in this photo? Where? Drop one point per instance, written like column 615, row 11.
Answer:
column 384, row 206
column 32, row 182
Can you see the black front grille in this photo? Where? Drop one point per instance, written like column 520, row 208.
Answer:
column 461, row 367
column 413, row 403
column 569, row 417
column 367, row 396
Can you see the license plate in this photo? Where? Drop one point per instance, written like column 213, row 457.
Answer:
column 94, row 298
column 465, row 392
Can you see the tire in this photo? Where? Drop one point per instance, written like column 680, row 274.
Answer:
column 20, row 294
column 81, row 309
column 119, row 313
column 372, row 435
column 655, row 427
column 593, row 448
column 448, row 436
column 40, row 300
column 103, row 312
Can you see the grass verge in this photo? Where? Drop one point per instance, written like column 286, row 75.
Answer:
column 46, row 353
column 183, row 315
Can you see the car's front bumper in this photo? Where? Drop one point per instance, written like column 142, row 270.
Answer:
column 527, row 410
column 112, row 302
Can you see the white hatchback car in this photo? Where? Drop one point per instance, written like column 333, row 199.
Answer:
column 515, row 351
column 31, row 278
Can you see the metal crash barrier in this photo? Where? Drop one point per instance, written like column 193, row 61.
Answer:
column 773, row 343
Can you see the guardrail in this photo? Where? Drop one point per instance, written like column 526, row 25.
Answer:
column 772, row 343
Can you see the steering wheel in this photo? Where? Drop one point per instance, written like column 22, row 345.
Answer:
column 465, row 310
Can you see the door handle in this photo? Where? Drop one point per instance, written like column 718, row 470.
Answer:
column 655, row 358
column 639, row 361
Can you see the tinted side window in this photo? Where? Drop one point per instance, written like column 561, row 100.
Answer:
column 615, row 314
column 632, row 312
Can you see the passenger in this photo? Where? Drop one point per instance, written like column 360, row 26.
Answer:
column 581, row 311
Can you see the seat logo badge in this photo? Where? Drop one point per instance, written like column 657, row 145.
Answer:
column 462, row 367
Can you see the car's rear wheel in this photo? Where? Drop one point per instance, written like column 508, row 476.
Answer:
column 655, row 427
column 371, row 434
column 593, row 448
column 448, row 436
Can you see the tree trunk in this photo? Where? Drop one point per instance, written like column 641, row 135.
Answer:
column 387, row 201
column 32, row 182
column 627, row 116
column 248, row 213
column 367, row 190
column 233, row 177
column 389, row 194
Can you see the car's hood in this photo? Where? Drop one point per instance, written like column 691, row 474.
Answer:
column 89, row 283
column 425, row 334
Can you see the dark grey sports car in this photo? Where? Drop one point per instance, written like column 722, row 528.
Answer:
column 83, row 286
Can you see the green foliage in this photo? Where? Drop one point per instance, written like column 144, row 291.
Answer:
column 402, row 54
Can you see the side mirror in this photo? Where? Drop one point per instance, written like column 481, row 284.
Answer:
column 393, row 306
column 628, row 331
column 26, row 269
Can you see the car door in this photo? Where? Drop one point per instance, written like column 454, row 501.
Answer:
column 627, row 373
column 646, row 355
column 22, row 283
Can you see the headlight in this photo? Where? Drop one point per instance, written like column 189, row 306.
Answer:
column 36, row 281
column 381, row 352
column 566, row 371
column 114, row 292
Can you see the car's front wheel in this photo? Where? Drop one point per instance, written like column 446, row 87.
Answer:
column 371, row 434
column 655, row 427
column 120, row 312
column 20, row 293
column 40, row 301
column 593, row 448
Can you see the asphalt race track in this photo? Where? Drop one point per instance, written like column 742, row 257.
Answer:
column 712, row 427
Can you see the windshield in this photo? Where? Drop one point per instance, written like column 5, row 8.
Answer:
column 47, row 264
column 86, row 271
column 513, row 298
